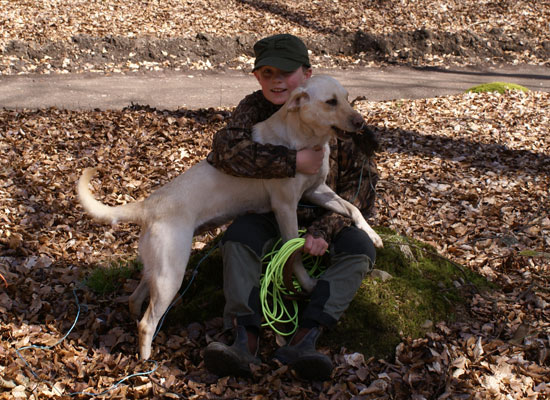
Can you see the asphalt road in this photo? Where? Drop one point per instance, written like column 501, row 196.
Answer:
column 203, row 89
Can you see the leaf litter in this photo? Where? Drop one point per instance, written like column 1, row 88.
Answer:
column 467, row 174
column 128, row 36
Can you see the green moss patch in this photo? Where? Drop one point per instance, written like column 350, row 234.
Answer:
column 500, row 87
column 425, row 289
column 105, row 280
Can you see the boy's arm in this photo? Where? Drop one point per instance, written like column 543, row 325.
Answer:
column 235, row 153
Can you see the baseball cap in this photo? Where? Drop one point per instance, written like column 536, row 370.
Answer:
column 284, row 51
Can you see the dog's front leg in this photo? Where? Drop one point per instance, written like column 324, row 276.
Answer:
column 306, row 281
column 325, row 197
column 288, row 225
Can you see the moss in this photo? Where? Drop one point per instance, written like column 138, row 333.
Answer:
column 500, row 87
column 106, row 280
column 424, row 287
column 534, row 253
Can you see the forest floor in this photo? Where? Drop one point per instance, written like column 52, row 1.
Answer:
column 466, row 173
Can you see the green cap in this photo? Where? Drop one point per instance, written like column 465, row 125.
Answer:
column 284, row 51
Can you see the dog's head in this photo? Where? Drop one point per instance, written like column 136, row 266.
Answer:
column 323, row 106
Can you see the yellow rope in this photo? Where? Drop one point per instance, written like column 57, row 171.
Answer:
column 272, row 289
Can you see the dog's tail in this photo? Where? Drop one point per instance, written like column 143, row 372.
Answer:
column 131, row 212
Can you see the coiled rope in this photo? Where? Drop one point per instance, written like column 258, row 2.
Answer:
column 275, row 307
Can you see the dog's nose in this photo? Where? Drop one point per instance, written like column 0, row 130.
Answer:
column 357, row 121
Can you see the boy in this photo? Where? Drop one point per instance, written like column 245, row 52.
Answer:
column 281, row 65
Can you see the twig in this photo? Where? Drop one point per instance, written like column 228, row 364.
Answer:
column 4, row 279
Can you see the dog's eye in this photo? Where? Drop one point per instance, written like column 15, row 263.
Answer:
column 332, row 102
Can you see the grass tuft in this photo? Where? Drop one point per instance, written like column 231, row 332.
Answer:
column 106, row 280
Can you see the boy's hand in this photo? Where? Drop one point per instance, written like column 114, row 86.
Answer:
column 310, row 160
column 315, row 246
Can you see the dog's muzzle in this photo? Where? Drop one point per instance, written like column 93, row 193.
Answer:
column 341, row 134
column 356, row 122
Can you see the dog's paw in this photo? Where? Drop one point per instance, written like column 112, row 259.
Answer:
column 376, row 239
column 309, row 284
column 306, row 282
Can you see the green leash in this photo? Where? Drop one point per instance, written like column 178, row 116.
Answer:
column 272, row 289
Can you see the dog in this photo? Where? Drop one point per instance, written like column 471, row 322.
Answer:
column 203, row 195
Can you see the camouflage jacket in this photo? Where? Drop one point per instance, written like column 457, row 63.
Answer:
column 353, row 174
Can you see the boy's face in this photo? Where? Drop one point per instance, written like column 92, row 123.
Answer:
column 278, row 84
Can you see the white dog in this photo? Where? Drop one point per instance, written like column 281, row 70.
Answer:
column 205, row 196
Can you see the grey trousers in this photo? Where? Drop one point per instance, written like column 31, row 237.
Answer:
column 248, row 238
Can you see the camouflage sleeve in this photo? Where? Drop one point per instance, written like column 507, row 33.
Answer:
column 235, row 153
column 328, row 225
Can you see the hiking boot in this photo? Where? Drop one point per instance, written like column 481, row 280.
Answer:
column 304, row 359
column 222, row 360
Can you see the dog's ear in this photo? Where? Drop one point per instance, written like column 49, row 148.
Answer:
column 299, row 97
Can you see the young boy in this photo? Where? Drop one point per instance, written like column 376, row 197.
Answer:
column 281, row 65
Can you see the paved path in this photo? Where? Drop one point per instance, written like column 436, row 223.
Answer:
column 193, row 90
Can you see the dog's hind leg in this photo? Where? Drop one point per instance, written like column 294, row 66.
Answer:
column 138, row 296
column 142, row 290
column 165, row 256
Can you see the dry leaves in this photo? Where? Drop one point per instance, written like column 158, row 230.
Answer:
column 130, row 35
column 467, row 173
column 53, row 20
